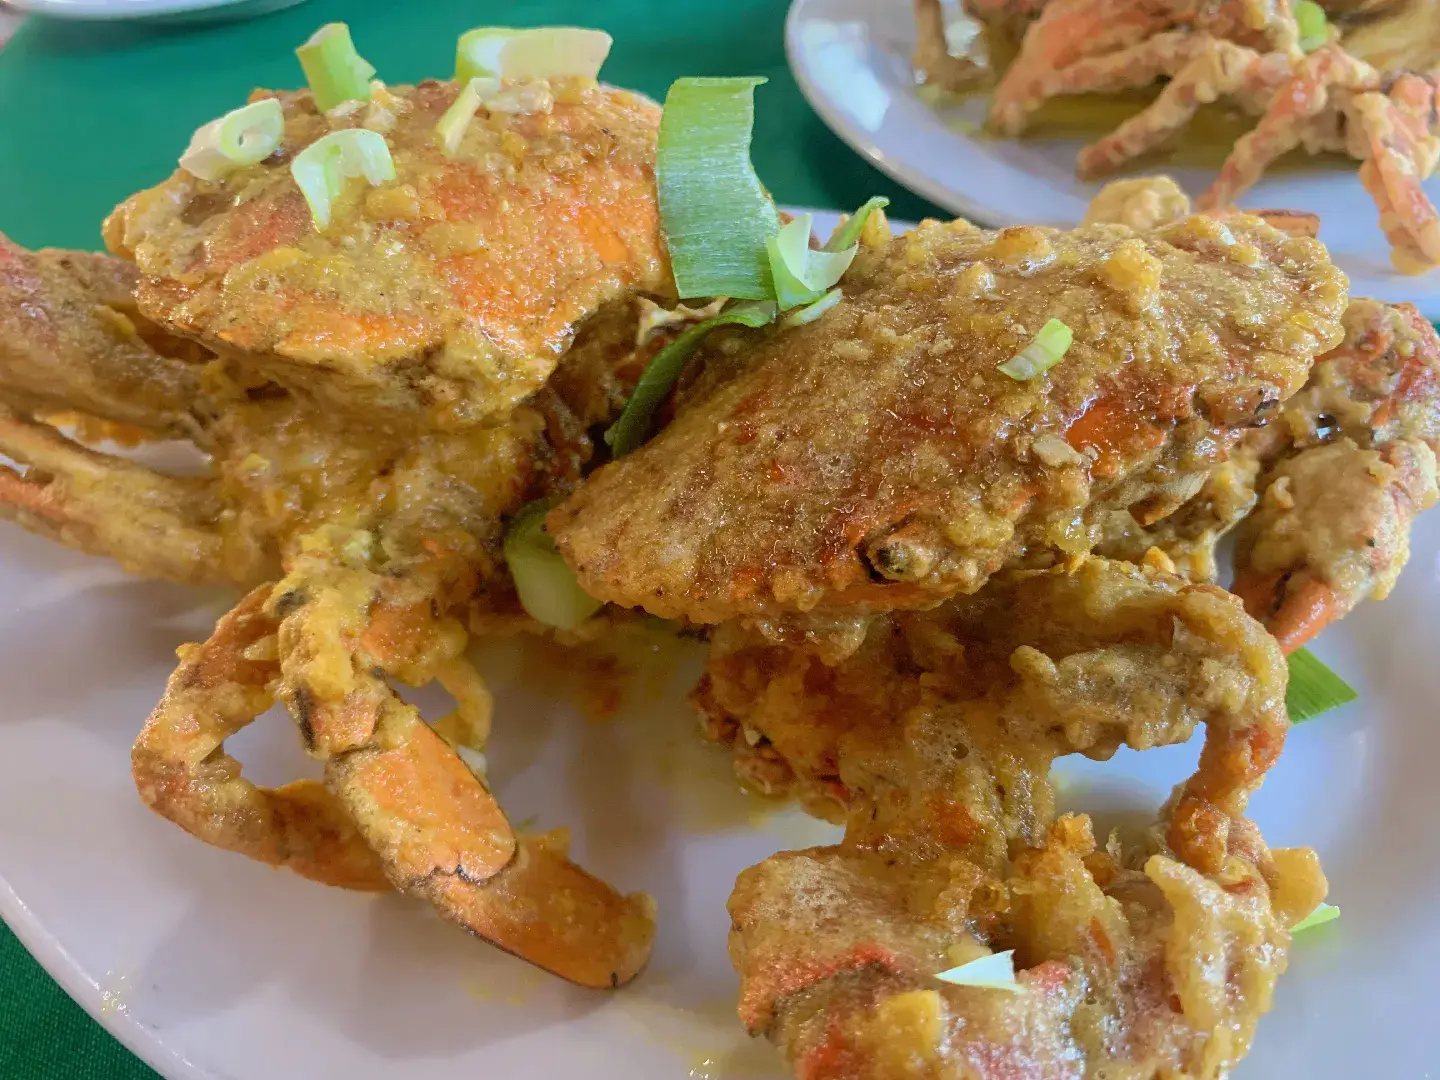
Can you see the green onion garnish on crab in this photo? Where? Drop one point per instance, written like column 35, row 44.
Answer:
column 335, row 71
column 1047, row 350
column 1313, row 688
column 993, row 972
column 547, row 587
column 716, row 214
column 848, row 234
column 244, row 136
column 633, row 425
column 456, row 120
column 802, row 275
column 1319, row 917
column 810, row 312
column 1313, row 26
column 323, row 167
column 544, row 52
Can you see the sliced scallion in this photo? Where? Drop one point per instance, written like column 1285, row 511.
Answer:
column 802, row 275
column 994, row 972
column 810, row 312
column 1047, row 350
column 1313, row 688
column 334, row 70
column 1313, row 26
column 716, row 214
column 848, row 234
column 244, row 136
column 1319, row 917
column 322, row 168
column 543, row 52
column 630, row 430
column 547, row 587
column 456, row 121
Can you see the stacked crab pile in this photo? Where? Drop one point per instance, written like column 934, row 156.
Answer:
column 944, row 523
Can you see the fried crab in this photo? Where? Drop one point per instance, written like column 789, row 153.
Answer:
column 1372, row 101
column 374, row 397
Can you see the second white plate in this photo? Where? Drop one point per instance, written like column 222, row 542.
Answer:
column 852, row 60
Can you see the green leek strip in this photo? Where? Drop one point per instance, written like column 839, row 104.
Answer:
column 1313, row 26
column 544, row 52
column 335, row 71
column 1313, row 687
column 810, row 312
column 1319, row 917
column 801, row 275
column 322, row 168
column 244, row 136
column 994, row 972
column 717, row 217
column 633, row 426
column 547, row 587
column 1047, row 350
column 848, row 234
column 456, row 121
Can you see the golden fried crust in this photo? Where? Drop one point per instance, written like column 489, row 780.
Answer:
column 67, row 342
column 877, row 459
column 451, row 291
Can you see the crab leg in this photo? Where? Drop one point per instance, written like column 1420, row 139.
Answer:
column 438, row 831
column 1305, row 96
column 1398, row 130
column 1216, row 69
column 183, row 773
column 151, row 524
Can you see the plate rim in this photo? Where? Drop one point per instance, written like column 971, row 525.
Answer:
column 119, row 10
column 58, row 964
column 912, row 177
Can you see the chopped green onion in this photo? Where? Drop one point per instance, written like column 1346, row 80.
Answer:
column 544, row 52
column 1319, row 917
column 1042, row 354
column 810, row 312
column 802, row 275
column 322, row 168
column 848, row 234
column 629, row 431
column 335, row 71
column 456, row 121
column 716, row 214
column 1313, row 687
column 995, row 972
column 547, row 587
column 244, row 136
column 1313, row 26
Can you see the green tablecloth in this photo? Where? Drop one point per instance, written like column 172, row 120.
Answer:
column 91, row 112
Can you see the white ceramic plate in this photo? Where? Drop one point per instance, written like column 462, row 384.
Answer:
column 211, row 966
column 176, row 10
column 852, row 60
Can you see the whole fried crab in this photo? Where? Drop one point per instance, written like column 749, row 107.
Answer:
column 375, row 399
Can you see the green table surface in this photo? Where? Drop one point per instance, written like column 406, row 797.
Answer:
column 90, row 112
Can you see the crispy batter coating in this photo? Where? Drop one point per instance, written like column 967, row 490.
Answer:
column 451, row 292
column 70, row 339
column 1155, row 958
column 877, row 459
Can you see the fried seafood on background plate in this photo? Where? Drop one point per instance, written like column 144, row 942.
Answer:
column 374, row 401
column 1151, row 958
column 878, row 459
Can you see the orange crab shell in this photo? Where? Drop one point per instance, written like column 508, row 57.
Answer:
column 452, row 290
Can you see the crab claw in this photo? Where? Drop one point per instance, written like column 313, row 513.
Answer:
column 183, row 773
